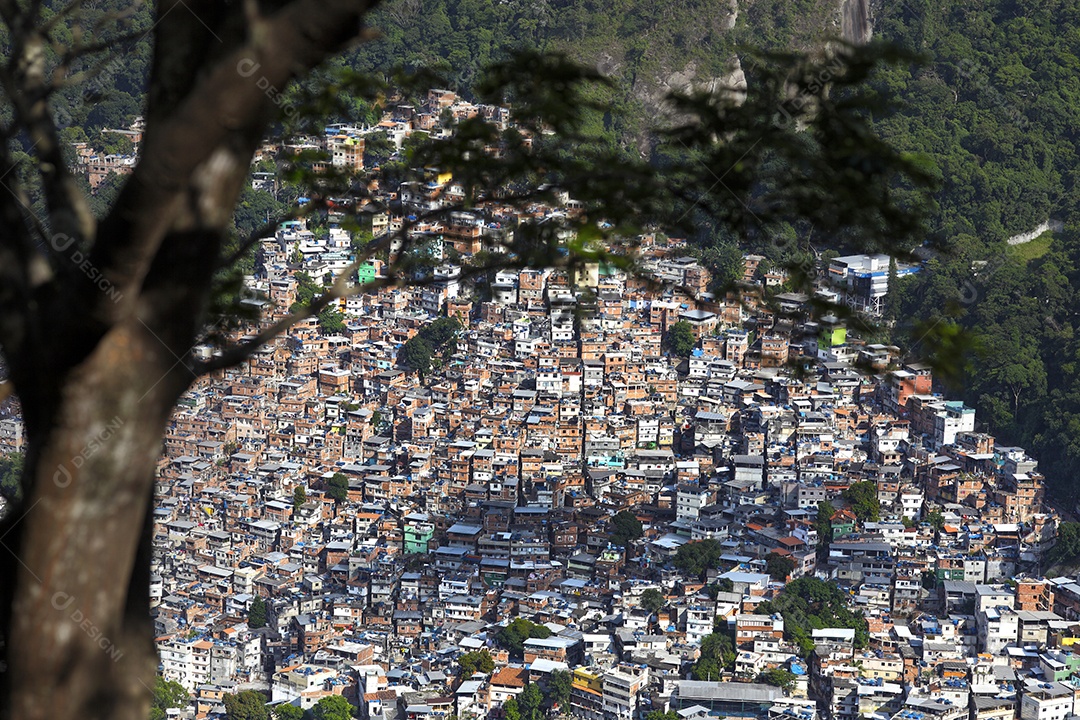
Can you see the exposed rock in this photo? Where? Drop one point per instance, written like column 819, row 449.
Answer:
column 733, row 15
column 1050, row 225
column 607, row 64
column 652, row 92
column 855, row 22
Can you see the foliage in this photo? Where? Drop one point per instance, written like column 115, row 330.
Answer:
column 11, row 468
column 810, row 604
column 167, row 694
column 333, row 707
column 476, row 661
column 435, row 338
column 338, row 488
column 650, row 40
column 246, row 705
column 680, row 339
column 987, row 108
column 717, row 655
column 530, row 701
column 416, row 354
column 517, row 631
column 659, row 715
column 695, row 558
column 377, row 149
column 823, row 523
column 779, row 567
column 257, row 613
column 254, row 209
column 110, row 143
column 299, row 496
column 625, row 528
column 779, row 677
column 511, row 710
column 306, row 290
column 331, row 321
column 1031, row 250
column 440, row 332
column 559, row 686
column 652, row 600
column 1066, row 547
column 724, row 261
column 863, row 499
column 721, row 585
column 893, row 291
column 936, row 520
column 288, row 711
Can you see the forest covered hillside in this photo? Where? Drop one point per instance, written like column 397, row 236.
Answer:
column 995, row 105
column 996, row 108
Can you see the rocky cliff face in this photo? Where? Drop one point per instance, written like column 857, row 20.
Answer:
column 851, row 19
column 732, row 16
column 855, row 23
column 651, row 92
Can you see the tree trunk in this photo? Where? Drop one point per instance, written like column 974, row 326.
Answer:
column 80, row 626
column 98, row 373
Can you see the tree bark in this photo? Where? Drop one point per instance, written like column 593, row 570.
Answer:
column 98, row 374
column 80, row 616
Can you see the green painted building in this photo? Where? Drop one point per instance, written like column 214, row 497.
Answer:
column 419, row 530
column 831, row 336
column 842, row 523
column 365, row 273
column 1059, row 666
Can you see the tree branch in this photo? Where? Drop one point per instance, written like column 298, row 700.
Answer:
column 22, row 267
column 268, row 230
column 29, row 292
column 239, row 353
column 25, row 82
column 340, row 289
column 227, row 105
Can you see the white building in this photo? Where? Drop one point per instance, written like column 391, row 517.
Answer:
column 302, row 685
column 1047, row 701
column 953, row 417
column 863, row 280
column 11, row 435
column 699, row 623
column 186, row 662
column 621, row 692
column 689, row 501
column 911, row 503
